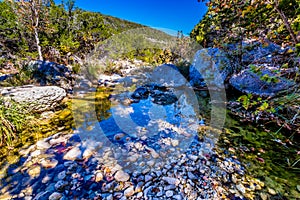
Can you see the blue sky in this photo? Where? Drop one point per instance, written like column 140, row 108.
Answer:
column 176, row 15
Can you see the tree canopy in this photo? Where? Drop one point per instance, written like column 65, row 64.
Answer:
column 227, row 21
column 45, row 30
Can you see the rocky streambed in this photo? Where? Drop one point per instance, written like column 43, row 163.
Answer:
column 143, row 134
column 61, row 167
column 140, row 144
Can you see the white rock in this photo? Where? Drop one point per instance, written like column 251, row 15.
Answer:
column 234, row 179
column 133, row 158
column 170, row 187
column 146, row 191
column 175, row 143
column 177, row 197
column 158, row 173
column 146, row 170
column 160, row 193
column 99, row 177
column 55, row 141
column 169, row 193
column 34, row 171
column 121, row 176
column 139, row 195
column 42, row 145
column 241, row 188
column 171, row 181
column 151, row 163
column 153, row 153
column 139, row 186
column 73, row 154
column 36, row 153
column 192, row 157
column 55, row 196
column 46, row 179
column 129, row 191
column 271, row 191
column 138, row 146
column 87, row 153
column 191, row 176
column 110, row 197
column 148, row 178
column 49, row 163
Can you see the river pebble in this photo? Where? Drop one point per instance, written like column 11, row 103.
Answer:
column 55, row 196
column 198, row 173
column 122, row 176
column 73, row 154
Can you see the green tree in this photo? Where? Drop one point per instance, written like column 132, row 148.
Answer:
column 229, row 21
column 31, row 15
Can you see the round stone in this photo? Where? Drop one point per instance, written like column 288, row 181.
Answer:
column 121, row 176
column 73, row 154
column 55, row 196
column 49, row 163
column 169, row 193
column 129, row 191
column 99, row 177
column 42, row 145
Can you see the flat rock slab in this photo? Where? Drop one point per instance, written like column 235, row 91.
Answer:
column 37, row 98
column 254, row 83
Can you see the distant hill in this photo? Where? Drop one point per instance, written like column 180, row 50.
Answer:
column 61, row 32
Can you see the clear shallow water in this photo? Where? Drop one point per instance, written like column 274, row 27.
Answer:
column 249, row 143
column 159, row 122
column 142, row 120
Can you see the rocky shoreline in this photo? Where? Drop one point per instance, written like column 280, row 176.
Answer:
column 59, row 167
column 63, row 166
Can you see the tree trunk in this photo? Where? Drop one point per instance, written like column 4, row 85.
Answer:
column 37, row 40
column 287, row 25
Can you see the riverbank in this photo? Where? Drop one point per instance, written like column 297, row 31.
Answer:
column 61, row 166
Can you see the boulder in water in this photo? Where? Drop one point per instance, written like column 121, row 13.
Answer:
column 210, row 67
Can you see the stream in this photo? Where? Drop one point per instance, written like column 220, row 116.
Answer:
column 149, row 141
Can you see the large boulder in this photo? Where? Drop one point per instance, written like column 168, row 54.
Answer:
column 262, row 82
column 168, row 75
column 51, row 73
column 210, row 67
column 36, row 98
column 257, row 52
column 254, row 51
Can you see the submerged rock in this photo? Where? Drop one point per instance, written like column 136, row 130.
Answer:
column 159, row 94
column 140, row 93
column 55, row 196
column 73, row 154
column 121, row 176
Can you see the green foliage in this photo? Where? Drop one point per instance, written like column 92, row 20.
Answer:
column 257, row 105
column 269, row 79
column 62, row 27
column 230, row 21
column 13, row 118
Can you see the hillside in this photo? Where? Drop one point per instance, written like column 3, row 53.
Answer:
column 62, row 31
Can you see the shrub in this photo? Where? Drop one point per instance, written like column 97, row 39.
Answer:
column 13, row 118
